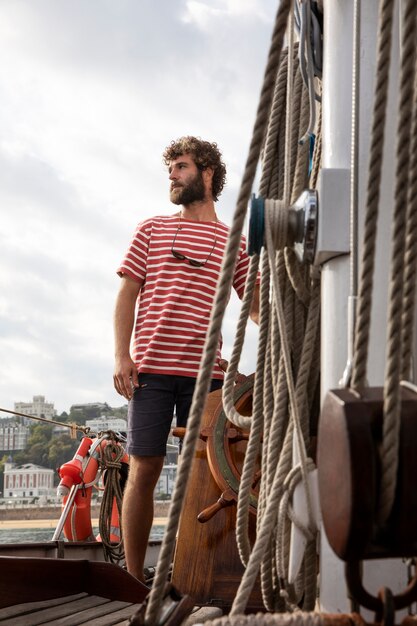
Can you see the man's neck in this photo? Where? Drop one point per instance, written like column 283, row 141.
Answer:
column 199, row 211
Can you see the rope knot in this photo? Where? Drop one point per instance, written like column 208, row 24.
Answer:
column 113, row 464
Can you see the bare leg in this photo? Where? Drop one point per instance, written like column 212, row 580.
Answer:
column 137, row 511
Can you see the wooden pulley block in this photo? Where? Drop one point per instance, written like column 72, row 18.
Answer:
column 349, row 468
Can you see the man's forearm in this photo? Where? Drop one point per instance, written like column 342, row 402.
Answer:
column 124, row 314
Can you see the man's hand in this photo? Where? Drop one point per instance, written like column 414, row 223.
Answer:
column 125, row 377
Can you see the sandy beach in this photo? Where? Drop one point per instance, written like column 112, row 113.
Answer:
column 51, row 523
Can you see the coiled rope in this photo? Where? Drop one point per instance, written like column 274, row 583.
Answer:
column 110, row 461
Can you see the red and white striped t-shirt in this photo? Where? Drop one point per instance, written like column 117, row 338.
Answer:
column 175, row 300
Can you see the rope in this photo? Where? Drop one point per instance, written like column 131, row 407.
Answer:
column 271, row 396
column 354, row 156
column 392, row 397
column 410, row 246
column 232, row 414
column 110, row 460
column 360, row 358
column 229, row 261
column 278, row 216
column 73, row 427
column 267, row 619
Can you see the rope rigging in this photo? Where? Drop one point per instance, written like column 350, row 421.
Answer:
column 285, row 392
column 74, row 428
column 403, row 266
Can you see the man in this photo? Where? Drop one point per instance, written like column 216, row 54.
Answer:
column 170, row 270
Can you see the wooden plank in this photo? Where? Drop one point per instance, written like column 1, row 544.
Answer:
column 28, row 607
column 119, row 617
column 49, row 615
column 89, row 616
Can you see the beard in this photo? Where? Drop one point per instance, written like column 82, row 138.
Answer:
column 193, row 191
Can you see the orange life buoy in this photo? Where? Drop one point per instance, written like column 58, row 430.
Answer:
column 72, row 472
column 82, row 471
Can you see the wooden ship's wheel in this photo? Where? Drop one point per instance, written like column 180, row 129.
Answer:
column 226, row 445
column 206, row 563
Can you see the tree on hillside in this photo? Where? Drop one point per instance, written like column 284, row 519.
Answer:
column 60, row 450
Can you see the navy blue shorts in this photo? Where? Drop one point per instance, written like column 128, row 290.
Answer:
column 152, row 408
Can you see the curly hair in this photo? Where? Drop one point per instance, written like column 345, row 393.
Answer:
column 204, row 154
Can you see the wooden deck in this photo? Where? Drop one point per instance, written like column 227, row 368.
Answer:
column 36, row 591
column 80, row 608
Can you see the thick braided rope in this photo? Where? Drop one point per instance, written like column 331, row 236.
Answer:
column 294, row 399
column 392, row 398
column 307, row 354
column 272, row 453
column 276, row 170
column 310, row 576
column 273, row 443
column 272, row 381
column 296, row 422
column 242, row 421
column 242, row 535
column 277, row 108
column 288, row 155
column 302, row 151
column 363, row 320
column 306, row 361
column 246, row 481
column 410, row 246
column 277, row 446
column 252, row 450
column 265, row 523
column 354, row 154
column 259, row 548
column 299, row 102
column 294, row 274
column 268, row 521
column 267, row 619
column 278, row 215
column 286, row 513
column 258, row 400
column 229, row 262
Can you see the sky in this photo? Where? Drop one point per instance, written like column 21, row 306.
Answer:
column 91, row 92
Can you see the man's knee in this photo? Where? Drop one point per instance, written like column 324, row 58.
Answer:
column 145, row 470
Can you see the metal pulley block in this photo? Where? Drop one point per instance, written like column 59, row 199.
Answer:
column 302, row 220
column 349, row 470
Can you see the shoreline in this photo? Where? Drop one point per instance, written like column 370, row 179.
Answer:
column 13, row 524
column 53, row 513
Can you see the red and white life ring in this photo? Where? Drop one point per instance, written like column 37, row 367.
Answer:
column 83, row 471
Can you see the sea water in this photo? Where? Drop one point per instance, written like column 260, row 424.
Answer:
column 28, row 535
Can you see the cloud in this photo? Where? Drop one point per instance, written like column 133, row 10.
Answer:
column 90, row 95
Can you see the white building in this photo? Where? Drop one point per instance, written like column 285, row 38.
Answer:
column 13, row 436
column 22, row 481
column 38, row 407
column 107, row 422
